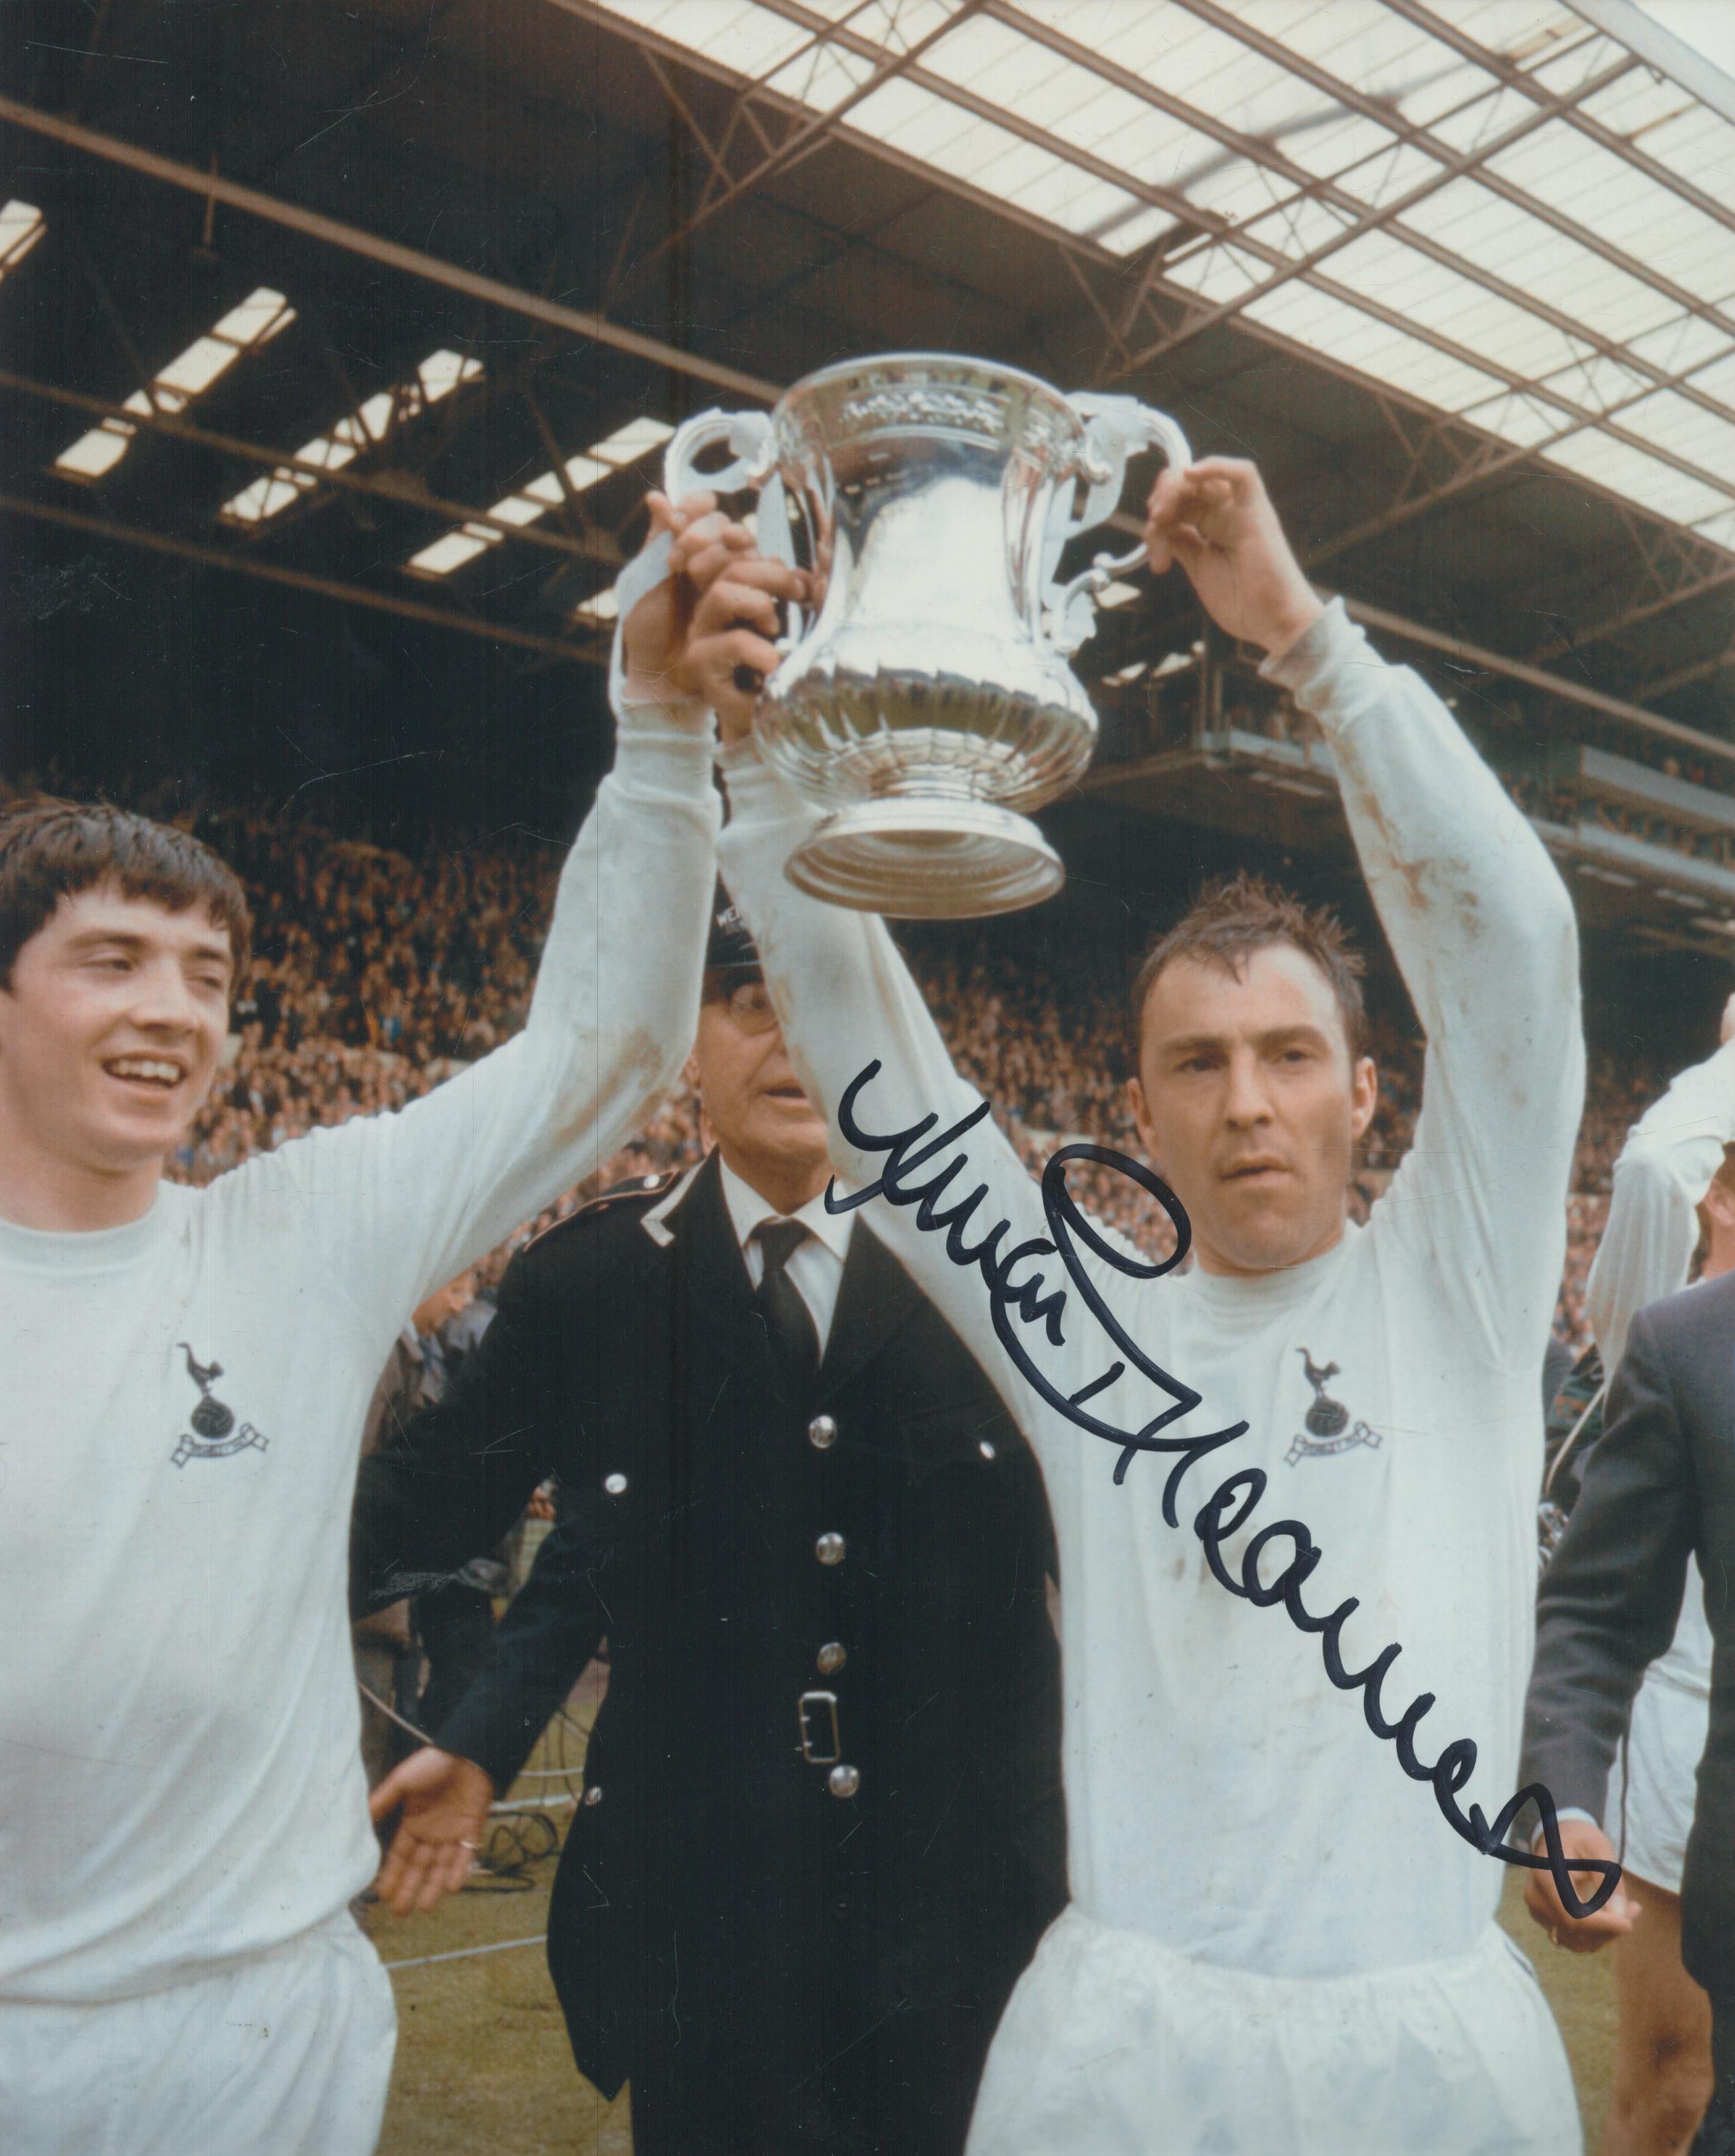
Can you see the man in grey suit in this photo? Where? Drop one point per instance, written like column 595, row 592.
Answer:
column 1659, row 1487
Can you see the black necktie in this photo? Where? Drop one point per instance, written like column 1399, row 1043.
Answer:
column 795, row 1336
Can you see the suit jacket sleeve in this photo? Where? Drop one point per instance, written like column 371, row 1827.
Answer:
column 540, row 1647
column 447, row 1486
column 1611, row 1596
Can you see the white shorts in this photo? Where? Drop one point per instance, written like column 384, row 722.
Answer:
column 1114, row 2046
column 1664, row 1750
column 288, row 2053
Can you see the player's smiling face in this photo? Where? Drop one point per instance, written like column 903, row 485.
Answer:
column 1250, row 1105
column 111, row 1031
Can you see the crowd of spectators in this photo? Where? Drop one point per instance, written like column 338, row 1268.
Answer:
column 377, row 975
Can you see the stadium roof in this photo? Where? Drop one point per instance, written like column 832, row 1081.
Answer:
column 1461, row 273
column 1498, row 208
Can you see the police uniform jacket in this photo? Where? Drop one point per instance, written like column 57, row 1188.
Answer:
column 821, row 1811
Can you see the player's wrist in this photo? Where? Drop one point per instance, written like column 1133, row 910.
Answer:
column 1290, row 623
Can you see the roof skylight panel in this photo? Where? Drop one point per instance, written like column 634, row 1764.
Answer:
column 437, row 376
column 1639, row 103
column 1299, row 227
column 1717, row 378
column 896, row 24
column 1597, row 384
column 1720, row 530
column 1153, row 146
column 1515, row 418
column 1071, row 198
column 1673, row 423
column 1483, row 118
column 21, row 226
column 821, row 76
column 1381, row 56
column 254, row 322
column 1576, row 61
column 1227, row 186
column 1562, row 167
column 1696, row 142
column 1686, row 341
column 1374, row 348
column 1525, row 252
column 750, row 40
column 1126, row 236
column 1595, row 454
column 1524, row 33
column 1390, row 172
column 452, row 551
column 1400, row 278
column 907, row 116
column 1218, row 272
column 613, row 452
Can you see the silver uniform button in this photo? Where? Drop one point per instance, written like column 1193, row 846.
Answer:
column 986, row 1449
column 593, row 1794
column 821, row 1433
column 843, row 1781
column 831, row 1658
column 615, row 1485
column 830, row 1549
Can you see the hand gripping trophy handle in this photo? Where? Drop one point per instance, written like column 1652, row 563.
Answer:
column 751, row 441
column 1117, row 430
column 746, row 436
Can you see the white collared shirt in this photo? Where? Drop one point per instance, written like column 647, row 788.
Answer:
column 815, row 1267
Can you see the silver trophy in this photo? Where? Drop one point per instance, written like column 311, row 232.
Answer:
column 924, row 698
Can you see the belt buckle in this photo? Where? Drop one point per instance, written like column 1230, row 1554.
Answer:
column 820, row 1707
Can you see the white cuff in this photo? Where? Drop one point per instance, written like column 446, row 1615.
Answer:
column 1571, row 1812
column 1307, row 668
column 758, row 792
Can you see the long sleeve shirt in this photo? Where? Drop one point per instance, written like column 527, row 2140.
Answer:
column 1664, row 1168
column 1222, row 1796
column 184, row 1397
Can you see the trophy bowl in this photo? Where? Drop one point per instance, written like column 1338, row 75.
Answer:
column 923, row 699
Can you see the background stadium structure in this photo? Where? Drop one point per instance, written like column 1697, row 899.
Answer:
column 337, row 344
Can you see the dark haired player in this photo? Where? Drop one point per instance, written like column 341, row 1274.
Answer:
column 1274, row 1943
column 186, row 1373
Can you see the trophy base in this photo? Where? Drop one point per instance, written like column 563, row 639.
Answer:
column 927, row 860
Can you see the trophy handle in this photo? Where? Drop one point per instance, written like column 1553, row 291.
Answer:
column 1116, row 429
column 746, row 435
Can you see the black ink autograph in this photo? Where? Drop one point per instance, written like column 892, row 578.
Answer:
column 1029, row 1301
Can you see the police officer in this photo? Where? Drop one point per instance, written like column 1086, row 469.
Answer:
column 821, row 1830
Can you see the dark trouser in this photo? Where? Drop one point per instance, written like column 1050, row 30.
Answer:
column 880, row 2099
column 1717, row 2132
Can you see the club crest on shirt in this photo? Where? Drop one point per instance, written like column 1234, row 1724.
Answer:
column 215, row 1433
column 1327, row 1428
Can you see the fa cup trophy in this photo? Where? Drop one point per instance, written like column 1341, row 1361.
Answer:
column 923, row 698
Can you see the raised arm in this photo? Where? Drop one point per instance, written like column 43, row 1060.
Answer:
column 1664, row 1168
column 1478, row 920
column 403, row 1202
